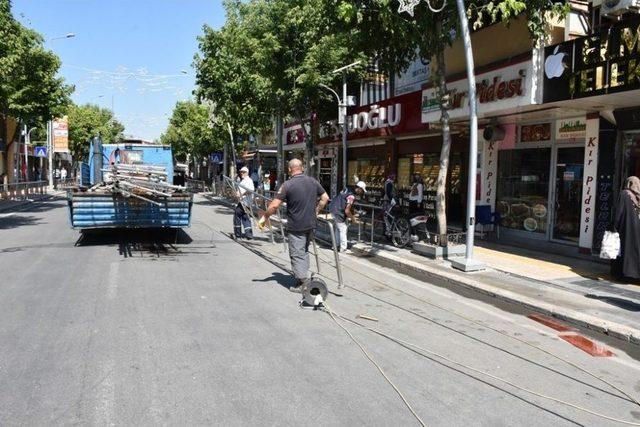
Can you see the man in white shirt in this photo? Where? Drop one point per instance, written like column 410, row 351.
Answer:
column 241, row 220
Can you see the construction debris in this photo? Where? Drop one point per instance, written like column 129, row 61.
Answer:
column 139, row 181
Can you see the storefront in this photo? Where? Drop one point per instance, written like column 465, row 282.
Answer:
column 545, row 180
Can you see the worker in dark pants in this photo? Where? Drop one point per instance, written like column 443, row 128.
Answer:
column 241, row 220
column 305, row 197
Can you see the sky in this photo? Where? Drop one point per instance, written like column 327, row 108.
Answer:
column 132, row 55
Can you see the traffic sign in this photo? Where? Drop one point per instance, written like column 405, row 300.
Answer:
column 40, row 151
column 216, row 157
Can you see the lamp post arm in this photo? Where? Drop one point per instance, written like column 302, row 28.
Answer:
column 323, row 86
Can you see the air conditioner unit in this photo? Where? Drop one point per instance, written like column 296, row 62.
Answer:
column 619, row 7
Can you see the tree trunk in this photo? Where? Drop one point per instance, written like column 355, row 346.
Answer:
column 441, row 193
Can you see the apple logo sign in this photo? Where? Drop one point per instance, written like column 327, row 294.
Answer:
column 553, row 66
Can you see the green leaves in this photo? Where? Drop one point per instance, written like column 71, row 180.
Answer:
column 190, row 130
column 88, row 121
column 29, row 87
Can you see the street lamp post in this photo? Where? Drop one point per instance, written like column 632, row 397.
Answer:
column 342, row 115
column 50, row 126
column 468, row 263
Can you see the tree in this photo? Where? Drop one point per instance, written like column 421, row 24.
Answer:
column 270, row 58
column 88, row 121
column 29, row 87
column 190, row 131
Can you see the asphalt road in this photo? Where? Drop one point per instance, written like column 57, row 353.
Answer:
column 141, row 329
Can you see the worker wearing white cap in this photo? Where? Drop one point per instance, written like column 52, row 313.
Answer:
column 341, row 209
column 241, row 220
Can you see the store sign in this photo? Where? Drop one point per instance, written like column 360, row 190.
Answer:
column 414, row 77
column 489, row 172
column 503, row 89
column 61, row 135
column 571, row 128
column 535, row 133
column 607, row 62
column 375, row 118
column 587, row 219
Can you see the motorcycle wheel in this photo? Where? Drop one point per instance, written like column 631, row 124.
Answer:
column 401, row 232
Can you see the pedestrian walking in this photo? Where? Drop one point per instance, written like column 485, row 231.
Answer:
column 341, row 208
column 63, row 174
column 416, row 194
column 627, row 224
column 389, row 197
column 305, row 197
column 241, row 219
column 255, row 177
column 272, row 180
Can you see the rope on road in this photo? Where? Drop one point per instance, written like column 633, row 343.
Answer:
column 417, row 349
column 484, row 325
column 368, row 356
column 462, row 365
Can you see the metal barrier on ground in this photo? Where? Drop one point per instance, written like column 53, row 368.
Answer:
column 22, row 190
column 258, row 202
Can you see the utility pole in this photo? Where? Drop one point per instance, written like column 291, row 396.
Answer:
column 469, row 264
column 280, row 148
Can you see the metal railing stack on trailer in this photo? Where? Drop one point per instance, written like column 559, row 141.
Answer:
column 22, row 190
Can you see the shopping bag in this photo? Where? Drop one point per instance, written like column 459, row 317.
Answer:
column 610, row 245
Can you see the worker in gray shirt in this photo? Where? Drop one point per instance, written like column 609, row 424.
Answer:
column 305, row 197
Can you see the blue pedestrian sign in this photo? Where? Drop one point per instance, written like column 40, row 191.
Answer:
column 40, row 151
column 216, row 157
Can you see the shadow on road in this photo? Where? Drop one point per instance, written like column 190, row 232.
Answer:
column 284, row 280
column 139, row 243
column 18, row 221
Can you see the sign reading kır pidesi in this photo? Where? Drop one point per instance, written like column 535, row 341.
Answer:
column 502, row 89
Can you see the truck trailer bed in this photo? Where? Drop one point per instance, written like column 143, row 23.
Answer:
column 104, row 209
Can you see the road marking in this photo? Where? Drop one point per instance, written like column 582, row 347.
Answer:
column 586, row 345
column 112, row 281
column 7, row 215
column 105, row 397
column 550, row 322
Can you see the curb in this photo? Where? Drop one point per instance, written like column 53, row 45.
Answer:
column 613, row 329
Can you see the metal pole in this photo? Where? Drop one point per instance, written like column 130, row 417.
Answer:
column 469, row 264
column 26, row 155
column 280, row 148
column 50, row 151
column 345, row 130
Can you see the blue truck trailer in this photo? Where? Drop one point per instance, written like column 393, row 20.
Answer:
column 129, row 186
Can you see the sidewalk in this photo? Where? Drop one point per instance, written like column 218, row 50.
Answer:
column 12, row 205
column 576, row 290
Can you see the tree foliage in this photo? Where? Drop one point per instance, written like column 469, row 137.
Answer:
column 29, row 86
column 88, row 121
column 190, row 130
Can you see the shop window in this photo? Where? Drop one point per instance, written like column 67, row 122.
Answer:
column 523, row 189
column 371, row 171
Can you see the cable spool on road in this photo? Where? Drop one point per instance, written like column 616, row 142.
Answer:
column 315, row 292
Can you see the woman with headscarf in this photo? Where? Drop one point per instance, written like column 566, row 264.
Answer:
column 627, row 224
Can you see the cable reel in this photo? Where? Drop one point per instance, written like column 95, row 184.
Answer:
column 314, row 293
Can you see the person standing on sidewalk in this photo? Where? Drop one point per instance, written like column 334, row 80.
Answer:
column 305, row 198
column 627, row 224
column 416, row 194
column 241, row 220
column 341, row 208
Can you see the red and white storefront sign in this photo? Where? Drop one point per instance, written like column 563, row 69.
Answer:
column 399, row 115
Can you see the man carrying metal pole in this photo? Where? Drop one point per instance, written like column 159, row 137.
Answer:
column 305, row 197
